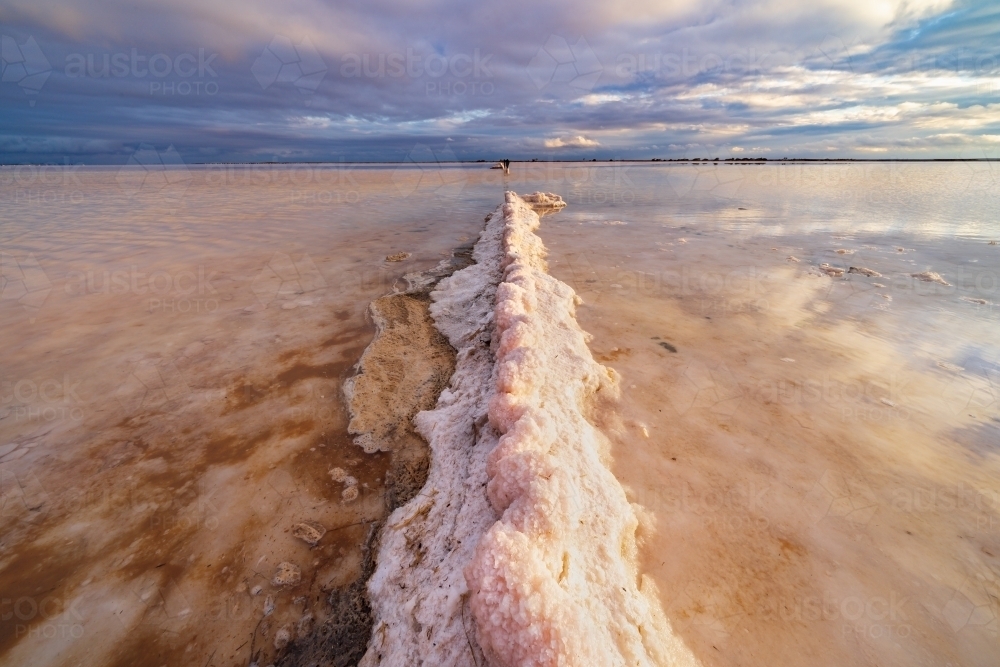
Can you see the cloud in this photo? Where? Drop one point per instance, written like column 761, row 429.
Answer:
column 578, row 141
column 828, row 77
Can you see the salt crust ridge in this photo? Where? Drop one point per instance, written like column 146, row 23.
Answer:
column 418, row 592
column 553, row 581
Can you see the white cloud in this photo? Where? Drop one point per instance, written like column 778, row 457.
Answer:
column 578, row 141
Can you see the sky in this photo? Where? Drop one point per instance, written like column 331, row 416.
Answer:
column 95, row 81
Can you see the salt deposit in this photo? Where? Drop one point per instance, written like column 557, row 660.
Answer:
column 541, row 200
column 553, row 581
column 418, row 592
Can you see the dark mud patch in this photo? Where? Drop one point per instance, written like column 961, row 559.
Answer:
column 342, row 639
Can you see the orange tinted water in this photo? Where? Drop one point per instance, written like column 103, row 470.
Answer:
column 819, row 461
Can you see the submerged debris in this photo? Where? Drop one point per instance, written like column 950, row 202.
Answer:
column 831, row 271
column 930, row 277
column 865, row 272
column 397, row 257
column 282, row 637
column 287, row 574
column 340, row 475
column 309, row 532
column 544, row 200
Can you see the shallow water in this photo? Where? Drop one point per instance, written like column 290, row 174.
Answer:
column 172, row 370
column 819, row 455
column 819, row 460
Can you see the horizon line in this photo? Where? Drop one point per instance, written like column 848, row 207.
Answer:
column 513, row 161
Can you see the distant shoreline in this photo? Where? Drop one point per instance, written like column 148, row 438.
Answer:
column 740, row 160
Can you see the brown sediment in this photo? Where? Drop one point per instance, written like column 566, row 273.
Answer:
column 402, row 372
column 142, row 526
column 158, row 498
